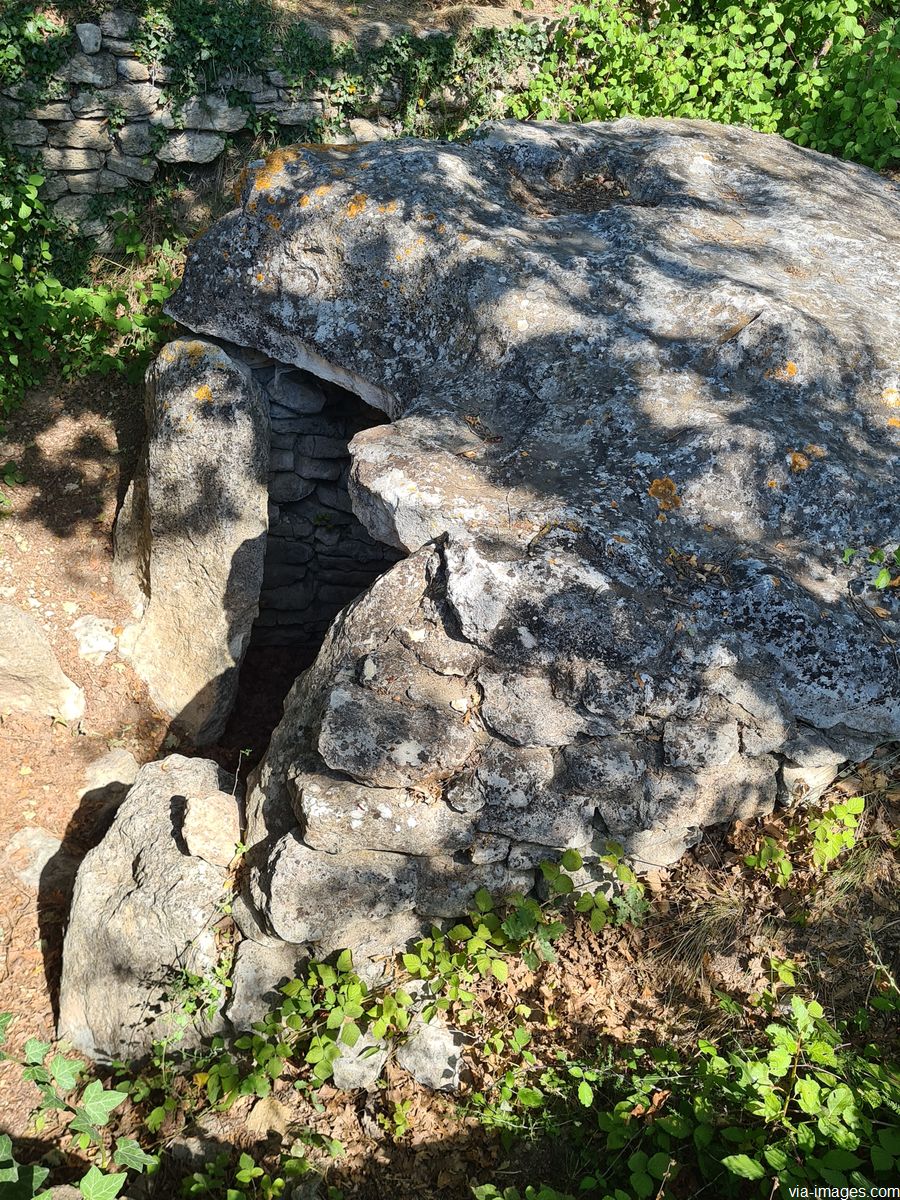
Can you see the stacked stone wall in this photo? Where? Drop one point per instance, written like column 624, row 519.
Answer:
column 107, row 120
column 319, row 557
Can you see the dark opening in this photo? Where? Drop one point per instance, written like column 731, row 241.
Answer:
column 319, row 557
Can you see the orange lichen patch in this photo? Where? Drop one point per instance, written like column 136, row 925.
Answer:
column 784, row 374
column 303, row 202
column 195, row 351
column 251, row 207
column 891, row 397
column 272, row 221
column 225, row 255
column 274, row 163
column 799, row 461
column 390, row 207
column 814, row 451
column 323, row 189
column 772, row 483
column 239, row 185
column 260, row 278
column 204, row 394
column 357, row 205
column 665, row 493
column 895, row 421
column 385, row 283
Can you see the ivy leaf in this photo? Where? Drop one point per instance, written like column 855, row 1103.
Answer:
column 97, row 1186
column 882, row 579
column 97, row 1104
column 35, row 1051
column 129, row 1154
column 65, row 1071
column 744, row 1166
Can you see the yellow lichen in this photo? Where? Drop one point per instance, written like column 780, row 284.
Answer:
column 665, row 493
column 357, row 205
column 204, row 394
column 784, row 374
column 303, row 202
column 274, row 163
column 891, row 397
column 812, row 450
column 260, row 278
column 799, row 461
column 272, row 221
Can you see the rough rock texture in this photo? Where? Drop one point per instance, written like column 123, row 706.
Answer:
column 143, row 911
column 257, row 974
column 190, row 537
column 361, row 1065
column 30, row 677
column 212, row 827
column 38, row 860
column 643, row 383
column 643, row 386
column 432, row 1053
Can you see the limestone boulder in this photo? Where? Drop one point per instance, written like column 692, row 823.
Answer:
column 644, row 398
column 143, row 913
column 190, row 538
column 31, row 679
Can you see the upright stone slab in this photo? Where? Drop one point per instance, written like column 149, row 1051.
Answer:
column 190, row 538
column 143, row 913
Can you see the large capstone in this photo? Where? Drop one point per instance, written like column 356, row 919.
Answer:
column 642, row 381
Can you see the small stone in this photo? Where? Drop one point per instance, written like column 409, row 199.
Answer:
column 213, row 112
column 95, row 182
column 38, row 861
column 56, row 159
column 88, row 37
column 132, row 70
column 131, row 167
column 25, row 133
column 109, row 776
column 95, row 638
column 134, row 99
column 30, row 676
column 258, row 972
column 212, row 827
column 116, row 23
column 54, row 110
column 134, row 138
column 359, row 1066
column 53, row 187
column 298, row 114
column 192, row 146
column 365, row 131
column 432, row 1054
column 96, row 69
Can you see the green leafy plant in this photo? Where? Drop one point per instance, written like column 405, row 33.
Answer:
column 87, row 1107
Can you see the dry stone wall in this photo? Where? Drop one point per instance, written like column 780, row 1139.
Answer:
column 111, row 119
column 319, row 556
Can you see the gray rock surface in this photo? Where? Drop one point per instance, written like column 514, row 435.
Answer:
column 190, row 537
column 257, row 974
column 143, row 911
column 89, row 36
column 646, row 396
column 212, row 827
column 360, row 1066
column 38, row 860
column 30, row 677
column 432, row 1053
column 191, row 146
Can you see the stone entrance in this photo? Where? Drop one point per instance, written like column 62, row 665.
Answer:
column 319, row 557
